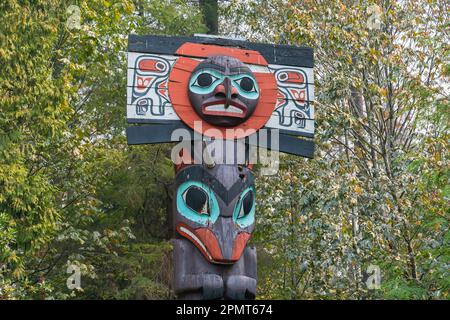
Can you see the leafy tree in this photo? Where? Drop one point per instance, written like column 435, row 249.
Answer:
column 377, row 191
column 71, row 190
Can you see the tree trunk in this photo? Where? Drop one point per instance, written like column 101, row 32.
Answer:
column 210, row 10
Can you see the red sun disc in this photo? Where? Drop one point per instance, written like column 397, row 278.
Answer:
column 178, row 91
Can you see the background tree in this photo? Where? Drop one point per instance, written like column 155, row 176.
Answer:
column 377, row 193
column 71, row 190
column 382, row 133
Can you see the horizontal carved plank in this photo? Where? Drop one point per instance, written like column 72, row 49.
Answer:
column 162, row 133
column 273, row 54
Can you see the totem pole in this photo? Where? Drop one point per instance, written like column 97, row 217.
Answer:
column 206, row 89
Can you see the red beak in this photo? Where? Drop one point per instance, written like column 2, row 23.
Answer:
column 205, row 240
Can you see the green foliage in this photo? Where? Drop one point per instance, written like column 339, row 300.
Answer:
column 139, row 271
column 377, row 191
column 71, row 190
column 73, row 193
column 168, row 17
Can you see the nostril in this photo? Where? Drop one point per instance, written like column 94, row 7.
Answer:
column 234, row 95
column 220, row 95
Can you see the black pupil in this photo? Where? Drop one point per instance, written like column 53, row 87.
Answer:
column 247, row 203
column 204, row 80
column 246, row 84
column 196, row 199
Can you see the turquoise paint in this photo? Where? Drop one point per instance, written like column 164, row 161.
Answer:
column 218, row 78
column 247, row 94
column 248, row 219
column 192, row 215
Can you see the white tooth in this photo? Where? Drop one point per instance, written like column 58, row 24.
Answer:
column 196, row 239
column 221, row 108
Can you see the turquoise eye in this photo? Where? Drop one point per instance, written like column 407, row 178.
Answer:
column 197, row 202
column 247, row 84
column 244, row 212
column 204, row 81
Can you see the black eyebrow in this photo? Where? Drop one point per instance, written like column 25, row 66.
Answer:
column 197, row 173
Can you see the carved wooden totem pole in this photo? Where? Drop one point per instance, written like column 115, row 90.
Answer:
column 228, row 91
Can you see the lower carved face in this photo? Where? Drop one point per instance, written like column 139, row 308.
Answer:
column 217, row 218
column 223, row 91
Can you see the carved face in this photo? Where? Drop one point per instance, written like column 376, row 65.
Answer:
column 215, row 210
column 223, row 91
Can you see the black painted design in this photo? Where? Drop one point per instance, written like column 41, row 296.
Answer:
column 293, row 107
column 149, row 91
column 209, row 177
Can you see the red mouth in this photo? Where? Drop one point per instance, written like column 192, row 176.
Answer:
column 217, row 108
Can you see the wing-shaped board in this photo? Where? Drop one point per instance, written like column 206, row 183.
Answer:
column 158, row 74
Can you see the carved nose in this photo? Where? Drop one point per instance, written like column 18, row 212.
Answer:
column 230, row 90
column 223, row 94
column 220, row 92
column 226, row 91
column 234, row 92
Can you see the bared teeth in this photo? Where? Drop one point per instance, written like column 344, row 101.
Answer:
column 221, row 108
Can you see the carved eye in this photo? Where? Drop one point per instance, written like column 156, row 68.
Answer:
column 197, row 199
column 204, row 80
column 283, row 76
column 247, row 84
column 160, row 66
column 247, row 204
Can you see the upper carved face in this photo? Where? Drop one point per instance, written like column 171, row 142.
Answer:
column 223, row 91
